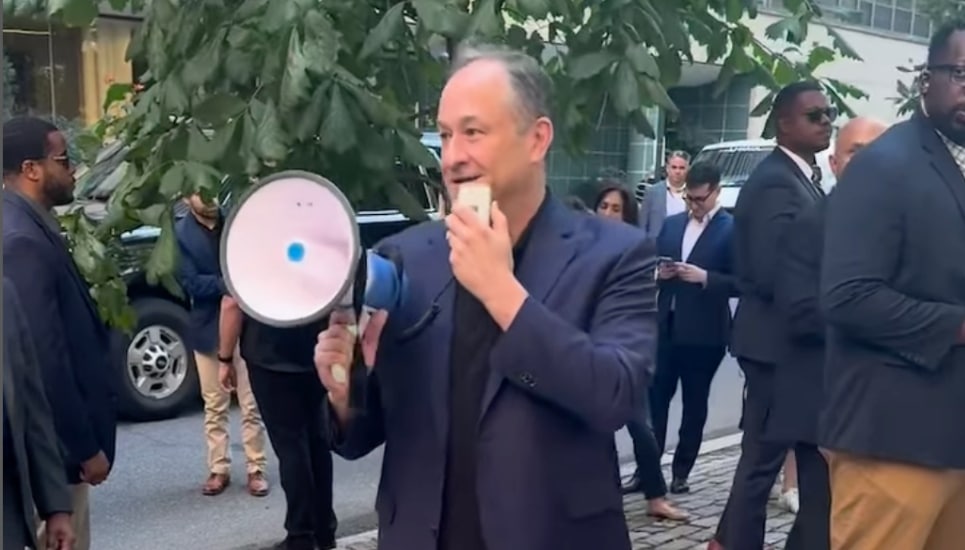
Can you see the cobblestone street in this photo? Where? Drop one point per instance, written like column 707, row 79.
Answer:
column 710, row 484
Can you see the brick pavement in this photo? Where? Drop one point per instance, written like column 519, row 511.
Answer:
column 710, row 484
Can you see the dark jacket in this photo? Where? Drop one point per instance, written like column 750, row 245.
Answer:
column 893, row 294
column 73, row 345
column 38, row 467
column 199, row 274
column 701, row 315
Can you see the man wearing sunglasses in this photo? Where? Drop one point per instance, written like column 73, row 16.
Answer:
column 783, row 185
column 72, row 343
column 893, row 295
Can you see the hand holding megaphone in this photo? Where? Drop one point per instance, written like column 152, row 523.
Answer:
column 335, row 349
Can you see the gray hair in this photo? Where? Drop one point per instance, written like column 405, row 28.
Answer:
column 684, row 155
column 530, row 83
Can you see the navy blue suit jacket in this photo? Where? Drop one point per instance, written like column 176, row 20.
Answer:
column 570, row 371
column 701, row 314
column 199, row 274
column 73, row 345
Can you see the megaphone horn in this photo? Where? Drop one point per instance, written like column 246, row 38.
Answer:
column 291, row 254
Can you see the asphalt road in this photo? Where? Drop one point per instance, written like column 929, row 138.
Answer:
column 152, row 500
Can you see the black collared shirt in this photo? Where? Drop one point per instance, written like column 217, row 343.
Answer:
column 473, row 337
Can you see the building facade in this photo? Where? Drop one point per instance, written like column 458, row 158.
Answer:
column 886, row 33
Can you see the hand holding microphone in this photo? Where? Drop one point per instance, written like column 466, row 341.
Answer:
column 335, row 349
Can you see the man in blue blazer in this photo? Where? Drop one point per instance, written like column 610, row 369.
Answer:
column 519, row 350
column 695, row 285
column 73, row 345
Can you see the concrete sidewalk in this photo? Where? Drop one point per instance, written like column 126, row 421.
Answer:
column 710, row 484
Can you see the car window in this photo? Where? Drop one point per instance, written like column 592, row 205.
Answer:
column 735, row 165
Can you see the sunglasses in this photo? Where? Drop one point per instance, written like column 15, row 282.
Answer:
column 955, row 72
column 815, row 116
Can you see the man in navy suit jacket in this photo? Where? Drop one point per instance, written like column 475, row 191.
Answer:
column 519, row 349
column 695, row 288
column 73, row 345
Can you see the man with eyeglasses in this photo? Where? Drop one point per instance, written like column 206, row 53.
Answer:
column 73, row 350
column 696, row 284
column 783, row 185
column 893, row 295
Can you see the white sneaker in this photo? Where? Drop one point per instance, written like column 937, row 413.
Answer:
column 791, row 501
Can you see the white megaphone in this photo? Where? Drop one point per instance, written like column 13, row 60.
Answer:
column 291, row 254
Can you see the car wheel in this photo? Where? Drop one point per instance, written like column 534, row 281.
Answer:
column 159, row 379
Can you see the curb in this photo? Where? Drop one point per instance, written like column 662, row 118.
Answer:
column 707, row 447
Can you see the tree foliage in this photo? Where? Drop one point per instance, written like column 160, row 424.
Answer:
column 909, row 93
column 237, row 89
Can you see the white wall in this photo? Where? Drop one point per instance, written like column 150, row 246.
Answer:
column 877, row 75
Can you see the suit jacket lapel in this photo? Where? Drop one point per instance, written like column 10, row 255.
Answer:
column 59, row 243
column 441, row 286
column 809, row 187
column 942, row 160
column 552, row 244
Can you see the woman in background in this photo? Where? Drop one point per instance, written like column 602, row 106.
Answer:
column 615, row 201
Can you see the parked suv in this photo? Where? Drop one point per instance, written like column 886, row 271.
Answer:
column 737, row 159
column 156, row 371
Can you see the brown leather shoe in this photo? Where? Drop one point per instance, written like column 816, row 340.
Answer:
column 258, row 484
column 215, row 485
column 661, row 508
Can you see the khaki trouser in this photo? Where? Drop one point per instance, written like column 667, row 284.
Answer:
column 877, row 505
column 217, row 402
column 80, row 519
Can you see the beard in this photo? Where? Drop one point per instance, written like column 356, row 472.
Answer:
column 59, row 194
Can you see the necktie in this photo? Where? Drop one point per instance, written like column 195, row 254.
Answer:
column 816, row 178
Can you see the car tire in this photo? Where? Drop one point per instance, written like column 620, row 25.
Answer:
column 155, row 354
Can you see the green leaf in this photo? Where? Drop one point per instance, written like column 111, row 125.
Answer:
column 642, row 61
column 537, row 9
column 117, row 92
column 172, row 181
column 321, row 43
column 338, row 129
column 787, row 28
column 163, row 260
column 841, row 44
column 74, row 12
column 269, row 137
column 412, row 150
column 200, row 178
column 819, row 56
column 400, row 197
column 441, row 17
column 485, row 20
column 175, row 97
column 203, row 66
column 590, row 64
column 294, row 83
column 659, row 95
column 216, row 109
column 388, row 28
column 625, row 89
column 311, row 119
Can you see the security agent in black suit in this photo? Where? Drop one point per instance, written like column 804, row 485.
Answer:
column 782, row 186
column 893, row 295
column 33, row 471
column 799, row 376
column 72, row 342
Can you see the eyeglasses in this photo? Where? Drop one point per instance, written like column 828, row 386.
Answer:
column 815, row 116
column 955, row 72
column 697, row 200
column 63, row 160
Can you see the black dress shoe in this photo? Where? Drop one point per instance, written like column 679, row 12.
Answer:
column 295, row 543
column 632, row 485
column 679, row 486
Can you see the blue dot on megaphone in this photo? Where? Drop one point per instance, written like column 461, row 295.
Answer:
column 296, row 252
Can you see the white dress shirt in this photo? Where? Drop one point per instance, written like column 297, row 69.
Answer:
column 801, row 163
